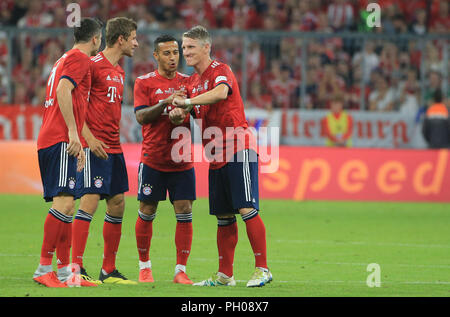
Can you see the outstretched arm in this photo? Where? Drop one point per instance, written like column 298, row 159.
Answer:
column 219, row 93
column 150, row 114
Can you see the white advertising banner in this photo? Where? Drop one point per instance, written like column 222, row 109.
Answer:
column 266, row 126
column 370, row 129
column 304, row 127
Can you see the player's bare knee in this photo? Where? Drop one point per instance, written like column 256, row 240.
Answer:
column 64, row 204
column 182, row 206
column 244, row 211
column 148, row 208
column 89, row 203
column 116, row 207
column 67, row 208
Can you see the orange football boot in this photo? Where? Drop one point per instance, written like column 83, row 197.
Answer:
column 182, row 278
column 146, row 276
column 49, row 279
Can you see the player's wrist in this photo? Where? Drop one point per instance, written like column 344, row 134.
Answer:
column 188, row 104
column 73, row 133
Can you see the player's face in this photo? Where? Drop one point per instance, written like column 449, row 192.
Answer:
column 194, row 51
column 130, row 45
column 167, row 56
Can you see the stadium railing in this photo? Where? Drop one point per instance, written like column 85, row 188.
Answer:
column 254, row 56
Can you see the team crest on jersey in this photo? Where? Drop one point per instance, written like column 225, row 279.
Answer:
column 98, row 181
column 71, row 183
column 146, row 189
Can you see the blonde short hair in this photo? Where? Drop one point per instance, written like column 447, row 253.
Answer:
column 198, row 32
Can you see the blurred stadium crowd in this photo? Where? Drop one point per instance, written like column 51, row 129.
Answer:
column 391, row 72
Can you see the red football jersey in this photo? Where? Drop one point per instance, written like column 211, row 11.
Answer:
column 157, row 142
column 105, row 102
column 227, row 115
column 74, row 66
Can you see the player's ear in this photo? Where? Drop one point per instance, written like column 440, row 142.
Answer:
column 120, row 39
column 96, row 39
column 207, row 47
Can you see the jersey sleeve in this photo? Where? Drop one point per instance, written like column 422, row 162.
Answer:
column 141, row 98
column 75, row 68
column 223, row 75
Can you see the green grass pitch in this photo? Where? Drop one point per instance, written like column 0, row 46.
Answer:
column 319, row 249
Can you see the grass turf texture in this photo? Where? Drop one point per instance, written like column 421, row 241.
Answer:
column 314, row 249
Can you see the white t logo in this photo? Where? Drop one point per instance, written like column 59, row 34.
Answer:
column 111, row 93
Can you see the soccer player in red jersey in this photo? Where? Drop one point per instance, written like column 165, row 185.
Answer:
column 233, row 172
column 159, row 171
column 105, row 174
column 60, row 151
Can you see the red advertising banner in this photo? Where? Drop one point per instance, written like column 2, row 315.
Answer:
column 300, row 173
column 359, row 174
column 20, row 122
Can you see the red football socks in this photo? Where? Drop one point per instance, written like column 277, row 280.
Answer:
column 63, row 245
column 227, row 238
column 55, row 225
column 52, row 226
column 80, row 233
column 112, row 230
column 256, row 232
column 144, row 232
column 183, row 237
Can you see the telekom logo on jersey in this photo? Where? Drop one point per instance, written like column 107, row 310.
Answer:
column 112, row 93
column 221, row 148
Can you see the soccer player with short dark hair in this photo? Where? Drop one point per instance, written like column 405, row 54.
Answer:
column 60, row 151
column 105, row 173
column 233, row 172
column 159, row 171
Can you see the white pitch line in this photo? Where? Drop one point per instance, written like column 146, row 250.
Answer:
column 393, row 244
column 438, row 266
column 360, row 282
